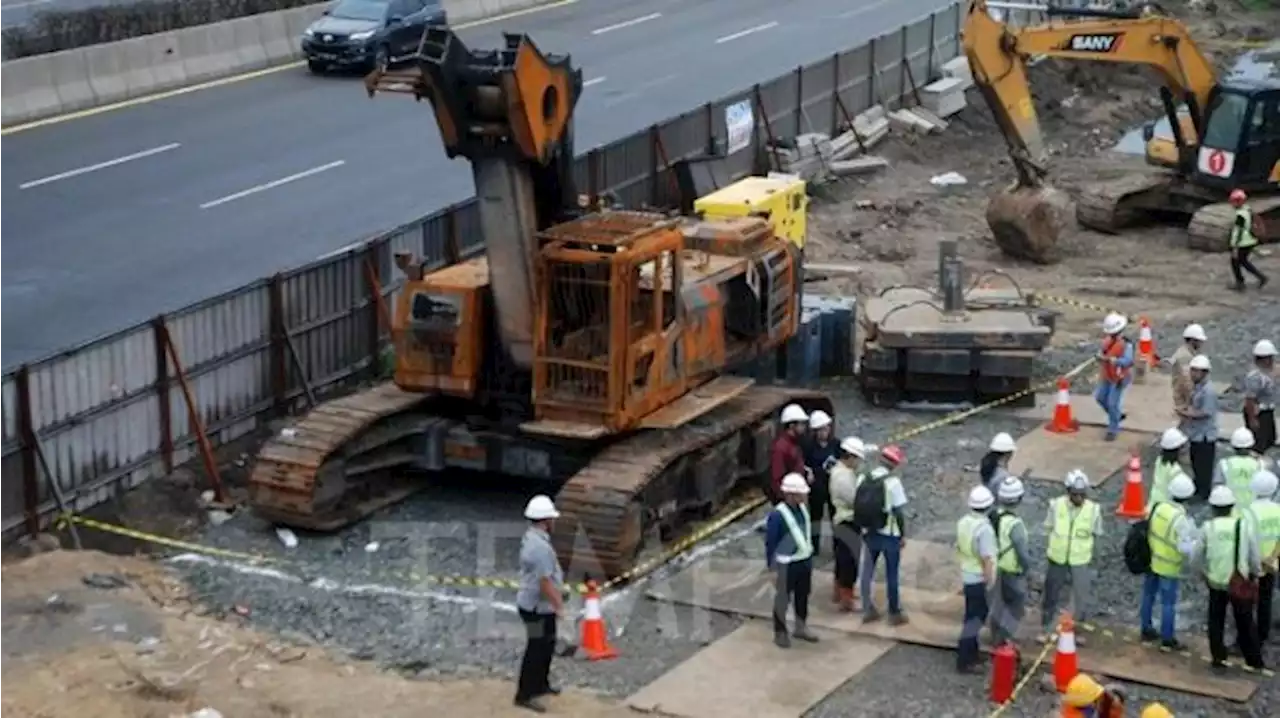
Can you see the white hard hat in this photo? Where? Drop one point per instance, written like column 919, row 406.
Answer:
column 1172, row 439
column 853, row 445
column 1002, row 443
column 1199, row 361
column 540, row 508
column 1264, row 348
column 1196, row 332
column 1077, row 480
column 792, row 413
column 1222, row 497
column 819, row 419
column 1011, row 489
column 980, row 498
column 1114, row 323
column 1242, row 438
column 1264, row 484
column 1181, row 487
column 794, row 484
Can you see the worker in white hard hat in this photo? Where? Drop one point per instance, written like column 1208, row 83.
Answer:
column 789, row 553
column 995, row 463
column 1260, row 396
column 1193, row 339
column 540, row 601
column 1167, row 465
column 1013, row 562
column 819, row 449
column 1229, row 555
column 1173, row 541
column 1072, row 523
column 1115, row 356
column 786, row 455
column 1199, row 421
column 1236, row 471
column 1263, row 517
column 847, row 537
column 879, row 510
column 976, row 545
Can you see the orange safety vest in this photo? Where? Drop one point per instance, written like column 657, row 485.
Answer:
column 1114, row 347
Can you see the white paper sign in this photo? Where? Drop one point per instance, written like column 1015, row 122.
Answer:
column 740, row 123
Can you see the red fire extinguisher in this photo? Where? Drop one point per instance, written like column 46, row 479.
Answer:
column 1004, row 672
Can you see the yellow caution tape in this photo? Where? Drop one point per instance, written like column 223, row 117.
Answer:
column 1133, row 637
column 1037, row 297
column 1049, row 644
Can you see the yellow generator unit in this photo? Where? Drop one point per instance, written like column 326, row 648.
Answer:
column 779, row 198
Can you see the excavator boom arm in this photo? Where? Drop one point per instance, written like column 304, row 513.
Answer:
column 998, row 55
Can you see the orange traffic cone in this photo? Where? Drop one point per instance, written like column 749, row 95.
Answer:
column 1062, row 422
column 595, row 638
column 1146, row 350
column 1132, row 503
column 1065, row 663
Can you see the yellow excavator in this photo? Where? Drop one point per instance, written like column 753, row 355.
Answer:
column 1225, row 134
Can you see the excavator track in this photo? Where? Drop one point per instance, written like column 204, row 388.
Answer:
column 1103, row 207
column 642, row 482
column 1210, row 227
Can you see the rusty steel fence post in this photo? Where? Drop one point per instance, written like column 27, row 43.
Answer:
column 799, row 102
column 26, row 439
column 904, row 70
column 835, row 94
column 278, row 349
column 452, row 245
column 709, row 115
column 872, row 80
column 163, row 405
column 933, row 41
column 195, row 421
column 373, row 295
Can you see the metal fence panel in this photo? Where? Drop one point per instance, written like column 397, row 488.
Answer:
column 856, row 87
column 817, row 87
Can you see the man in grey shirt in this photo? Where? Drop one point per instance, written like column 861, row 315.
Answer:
column 1013, row 559
column 1200, row 424
column 540, row 600
column 1260, row 397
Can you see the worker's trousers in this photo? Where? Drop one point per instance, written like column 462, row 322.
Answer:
column 819, row 508
column 1056, row 578
column 1265, row 436
column 1203, row 455
column 1009, row 606
column 1111, row 398
column 848, row 549
column 792, row 584
column 1240, row 261
column 1266, row 592
column 1166, row 589
column 540, row 648
column 1246, row 632
column 975, row 617
column 891, row 547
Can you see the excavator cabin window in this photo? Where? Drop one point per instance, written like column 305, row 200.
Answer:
column 1226, row 120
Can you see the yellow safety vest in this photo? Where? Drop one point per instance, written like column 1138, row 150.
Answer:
column 1238, row 473
column 1004, row 543
column 1160, row 477
column 1166, row 559
column 801, row 537
column 1242, row 237
column 1071, row 543
column 1221, row 557
column 966, row 532
column 1263, row 518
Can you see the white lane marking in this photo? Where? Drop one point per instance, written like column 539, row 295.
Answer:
column 25, row 3
column 626, row 23
column 594, row 81
column 865, row 8
column 340, row 250
column 748, row 31
column 273, row 184
column 100, row 166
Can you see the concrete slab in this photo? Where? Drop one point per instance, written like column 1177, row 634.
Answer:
column 727, row 585
column 745, row 669
column 1050, row 456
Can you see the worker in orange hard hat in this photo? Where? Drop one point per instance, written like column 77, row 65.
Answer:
column 1086, row 698
column 1243, row 240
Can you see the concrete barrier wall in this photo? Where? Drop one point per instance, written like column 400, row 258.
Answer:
column 34, row 88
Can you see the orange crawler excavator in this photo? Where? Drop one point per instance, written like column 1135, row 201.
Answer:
column 586, row 350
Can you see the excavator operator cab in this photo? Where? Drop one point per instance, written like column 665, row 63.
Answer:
column 1240, row 147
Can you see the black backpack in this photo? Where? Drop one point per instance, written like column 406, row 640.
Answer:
column 868, row 504
column 1137, row 549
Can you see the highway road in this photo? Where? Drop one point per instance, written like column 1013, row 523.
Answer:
column 116, row 216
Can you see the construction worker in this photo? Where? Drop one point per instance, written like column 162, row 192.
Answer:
column 884, row 536
column 1086, row 698
column 1229, row 549
column 819, row 454
column 1172, row 537
column 1193, row 339
column 1200, row 424
column 1166, row 466
column 1243, row 241
column 845, row 533
column 995, row 463
column 1260, row 396
column 1013, row 559
column 540, row 602
column 1073, row 522
column 789, row 552
column 1263, row 516
column 1236, row 471
column 976, row 545
column 1156, row 710
column 786, row 456
column 1116, row 359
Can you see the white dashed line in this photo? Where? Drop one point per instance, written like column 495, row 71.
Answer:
column 594, row 81
column 100, row 166
column 748, row 31
column 273, row 184
column 626, row 23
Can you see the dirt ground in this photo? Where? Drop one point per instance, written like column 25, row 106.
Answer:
column 889, row 225
column 91, row 634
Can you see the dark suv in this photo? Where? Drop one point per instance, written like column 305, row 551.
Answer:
column 368, row 33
